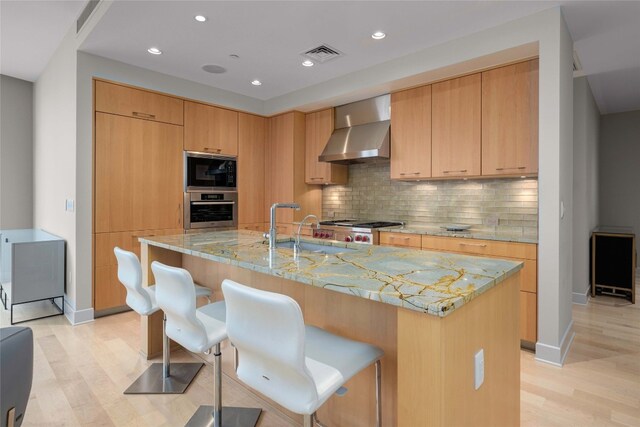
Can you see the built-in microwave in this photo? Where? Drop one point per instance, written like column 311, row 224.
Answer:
column 210, row 210
column 207, row 172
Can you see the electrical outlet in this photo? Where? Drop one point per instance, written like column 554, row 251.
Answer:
column 492, row 220
column 478, row 362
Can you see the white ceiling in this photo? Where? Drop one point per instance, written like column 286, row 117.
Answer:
column 269, row 36
column 30, row 32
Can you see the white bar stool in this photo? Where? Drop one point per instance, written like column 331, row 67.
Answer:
column 199, row 330
column 297, row 366
column 159, row 378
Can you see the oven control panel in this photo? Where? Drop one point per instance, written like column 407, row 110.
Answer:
column 345, row 236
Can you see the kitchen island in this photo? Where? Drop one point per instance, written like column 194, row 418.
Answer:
column 430, row 312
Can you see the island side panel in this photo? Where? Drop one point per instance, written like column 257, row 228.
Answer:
column 436, row 368
column 339, row 313
column 151, row 332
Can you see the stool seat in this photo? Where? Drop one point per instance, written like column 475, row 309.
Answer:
column 332, row 360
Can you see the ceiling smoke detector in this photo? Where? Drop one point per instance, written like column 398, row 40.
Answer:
column 214, row 69
column 322, row 54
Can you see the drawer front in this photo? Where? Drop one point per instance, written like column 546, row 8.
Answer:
column 480, row 247
column 528, row 317
column 404, row 240
column 260, row 226
column 125, row 101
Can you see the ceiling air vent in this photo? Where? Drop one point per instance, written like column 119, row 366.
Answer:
column 322, row 54
column 86, row 12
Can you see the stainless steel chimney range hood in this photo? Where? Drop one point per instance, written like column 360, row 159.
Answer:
column 361, row 132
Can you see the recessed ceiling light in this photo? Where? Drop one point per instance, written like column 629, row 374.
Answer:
column 256, row 82
column 200, row 18
column 307, row 63
column 154, row 50
column 378, row 35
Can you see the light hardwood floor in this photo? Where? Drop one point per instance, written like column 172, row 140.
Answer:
column 80, row 373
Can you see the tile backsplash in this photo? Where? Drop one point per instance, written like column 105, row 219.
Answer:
column 370, row 194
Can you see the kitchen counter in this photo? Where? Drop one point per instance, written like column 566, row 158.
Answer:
column 470, row 234
column 431, row 282
column 430, row 312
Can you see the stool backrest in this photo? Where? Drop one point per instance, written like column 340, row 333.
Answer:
column 268, row 330
column 176, row 296
column 130, row 275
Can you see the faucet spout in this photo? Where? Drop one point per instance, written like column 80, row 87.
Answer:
column 296, row 246
column 272, row 223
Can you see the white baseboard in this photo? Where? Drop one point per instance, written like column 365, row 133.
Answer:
column 581, row 297
column 556, row 355
column 77, row 317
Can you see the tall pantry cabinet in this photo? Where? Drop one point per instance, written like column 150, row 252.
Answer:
column 138, row 178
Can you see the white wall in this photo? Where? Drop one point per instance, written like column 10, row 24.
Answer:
column 620, row 171
column 586, row 132
column 16, row 153
column 54, row 160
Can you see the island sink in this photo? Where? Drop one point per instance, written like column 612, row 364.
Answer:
column 314, row 247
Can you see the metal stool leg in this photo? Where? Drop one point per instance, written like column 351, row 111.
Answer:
column 378, row 394
column 165, row 378
column 217, row 415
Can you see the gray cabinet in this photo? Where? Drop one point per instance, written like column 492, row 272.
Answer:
column 32, row 268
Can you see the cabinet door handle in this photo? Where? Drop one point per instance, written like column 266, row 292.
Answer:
column 217, row 150
column 144, row 115
column 412, row 173
column 394, row 238
column 518, row 167
column 318, row 177
column 474, row 245
column 461, row 171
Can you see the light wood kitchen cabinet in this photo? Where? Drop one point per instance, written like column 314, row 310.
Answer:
column 319, row 126
column 411, row 134
column 284, row 169
column 510, row 120
column 109, row 293
column 456, row 121
column 528, row 317
column 251, row 152
column 125, row 101
column 404, row 240
column 210, row 129
column 524, row 252
column 261, row 226
column 138, row 174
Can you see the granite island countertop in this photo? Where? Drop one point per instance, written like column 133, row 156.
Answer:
column 436, row 283
column 435, row 230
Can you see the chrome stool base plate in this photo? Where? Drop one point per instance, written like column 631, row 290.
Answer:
column 231, row 417
column 152, row 382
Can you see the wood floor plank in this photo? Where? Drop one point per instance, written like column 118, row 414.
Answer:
column 80, row 373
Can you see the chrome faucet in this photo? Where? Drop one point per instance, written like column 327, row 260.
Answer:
column 272, row 223
column 296, row 246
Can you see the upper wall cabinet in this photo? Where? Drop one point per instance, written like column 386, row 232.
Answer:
column 210, row 129
column 456, row 127
column 319, row 126
column 411, row 134
column 284, row 169
column 126, row 101
column 510, row 120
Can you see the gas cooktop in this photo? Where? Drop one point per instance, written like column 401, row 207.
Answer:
column 353, row 223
